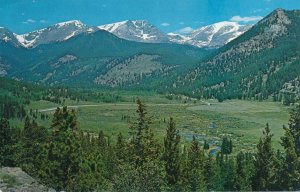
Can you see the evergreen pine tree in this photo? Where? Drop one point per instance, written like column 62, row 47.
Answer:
column 171, row 156
column 6, row 142
column 144, row 145
column 289, row 172
column 244, row 171
column 32, row 140
column 64, row 151
column 120, row 149
column 206, row 145
column 144, row 163
column 294, row 126
column 194, row 168
column 264, row 162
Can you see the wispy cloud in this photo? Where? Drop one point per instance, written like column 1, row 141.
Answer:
column 43, row 21
column 257, row 10
column 184, row 30
column 165, row 24
column 29, row 21
column 181, row 23
column 199, row 22
column 238, row 18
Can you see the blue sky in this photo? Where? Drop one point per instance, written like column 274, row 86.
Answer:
column 22, row 16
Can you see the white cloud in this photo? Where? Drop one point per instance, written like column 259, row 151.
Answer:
column 43, row 21
column 184, row 30
column 165, row 24
column 29, row 21
column 238, row 18
column 181, row 23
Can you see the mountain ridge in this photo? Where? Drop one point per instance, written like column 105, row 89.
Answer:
column 213, row 36
column 132, row 30
column 257, row 64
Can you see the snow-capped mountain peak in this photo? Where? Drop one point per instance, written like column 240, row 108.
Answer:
column 112, row 27
column 212, row 36
column 76, row 23
column 57, row 32
column 138, row 30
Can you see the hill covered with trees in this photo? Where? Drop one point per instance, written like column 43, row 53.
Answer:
column 65, row 158
column 261, row 63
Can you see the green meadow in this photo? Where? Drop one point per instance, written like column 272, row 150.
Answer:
column 242, row 121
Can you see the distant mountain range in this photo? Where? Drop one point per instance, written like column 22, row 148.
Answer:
column 91, row 58
column 212, row 36
column 140, row 31
column 264, row 61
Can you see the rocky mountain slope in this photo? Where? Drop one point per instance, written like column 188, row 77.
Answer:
column 54, row 33
column 140, row 31
column 8, row 37
column 211, row 36
column 96, row 59
column 257, row 64
column 262, row 62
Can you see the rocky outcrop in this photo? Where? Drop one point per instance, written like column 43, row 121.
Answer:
column 13, row 179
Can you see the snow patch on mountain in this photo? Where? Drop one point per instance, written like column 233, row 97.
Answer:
column 77, row 23
column 139, row 30
column 112, row 27
column 26, row 43
column 58, row 32
column 212, row 36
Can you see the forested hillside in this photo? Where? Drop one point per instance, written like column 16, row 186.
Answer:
column 16, row 95
column 261, row 63
column 65, row 158
column 94, row 59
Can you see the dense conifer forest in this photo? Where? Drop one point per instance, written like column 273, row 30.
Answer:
column 64, row 157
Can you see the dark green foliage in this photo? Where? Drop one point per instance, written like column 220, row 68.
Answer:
column 6, row 143
column 97, row 53
column 294, row 126
column 224, row 173
column 244, row 171
column 206, row 145
column 289, row 172
column 226, row 147
column 256, row 65
column 64, row 151
column 194, row 167
column 171, row 155
column 65, row 158
column 143, row 142
column 264, row 162
column 289, row 169
column 33, row 139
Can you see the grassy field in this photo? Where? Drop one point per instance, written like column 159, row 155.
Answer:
column 243, row 121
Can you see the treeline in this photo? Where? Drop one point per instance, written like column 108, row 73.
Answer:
column 15, row 96
column 65, row 158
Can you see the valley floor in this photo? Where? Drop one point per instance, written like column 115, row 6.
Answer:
column 241, row 120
